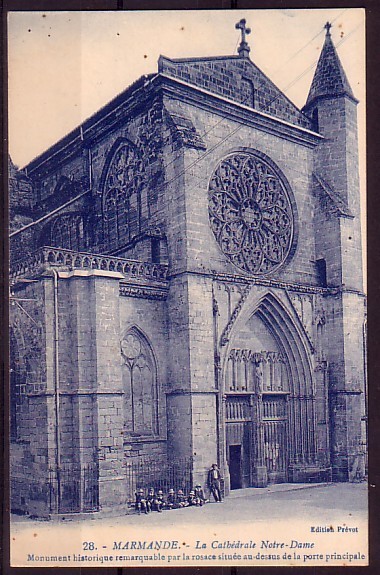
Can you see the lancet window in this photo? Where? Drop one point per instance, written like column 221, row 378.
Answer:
column 139, row 385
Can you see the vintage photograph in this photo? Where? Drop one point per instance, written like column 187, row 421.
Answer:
column 188, row 381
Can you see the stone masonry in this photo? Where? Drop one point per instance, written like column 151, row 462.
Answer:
column 189, row 291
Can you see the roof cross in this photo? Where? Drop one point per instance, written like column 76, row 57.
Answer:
column 328, row 25
column 243, row 49
column 242, row 27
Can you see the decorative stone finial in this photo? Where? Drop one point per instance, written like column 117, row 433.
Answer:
column 243, row 49
column 328, row 25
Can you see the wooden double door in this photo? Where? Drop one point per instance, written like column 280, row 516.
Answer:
column 256, row 436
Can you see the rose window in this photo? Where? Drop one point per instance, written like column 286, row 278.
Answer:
column 250, row 213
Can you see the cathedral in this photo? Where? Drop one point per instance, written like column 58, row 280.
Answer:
column 186, row 289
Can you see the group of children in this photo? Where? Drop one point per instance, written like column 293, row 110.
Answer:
column 158, row 502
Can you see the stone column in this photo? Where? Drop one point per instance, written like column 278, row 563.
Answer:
column 259, row 474
column 191, row 401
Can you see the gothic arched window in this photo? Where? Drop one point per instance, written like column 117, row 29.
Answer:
column 139, row 385
column 122, row 195
column 66, row 231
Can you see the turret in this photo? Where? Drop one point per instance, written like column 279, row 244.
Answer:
column 332, row 105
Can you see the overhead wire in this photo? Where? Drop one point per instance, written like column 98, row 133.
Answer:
column 229, row 135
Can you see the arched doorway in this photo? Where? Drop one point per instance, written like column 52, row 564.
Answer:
column 269, row 398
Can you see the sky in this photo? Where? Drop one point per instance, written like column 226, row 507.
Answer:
column 63, row 66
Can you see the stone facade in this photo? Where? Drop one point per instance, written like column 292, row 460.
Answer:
column 189, row 291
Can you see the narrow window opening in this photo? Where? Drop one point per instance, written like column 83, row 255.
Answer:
column 315, row 120
column 322, row 272
column 155, row 250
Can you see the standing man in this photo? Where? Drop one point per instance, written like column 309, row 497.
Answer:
column 214, row 478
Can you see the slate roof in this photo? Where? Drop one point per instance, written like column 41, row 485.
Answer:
column 329, row 79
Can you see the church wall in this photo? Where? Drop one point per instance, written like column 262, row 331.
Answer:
column 202, row 374
column 327, row 243
column 344, row 325
column 293, row 159
column 150, row 317
column 192, row 399
column 351, row 263
column 179, row 413
column 46, row 179
column 255, row 336
column 89, row 379
column 86, row 170
column 336, row 161
column 144, row 130
column 33, row 446
column 330, row 161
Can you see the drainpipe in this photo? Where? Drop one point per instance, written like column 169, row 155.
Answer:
column 220, row 400
column 56, row 389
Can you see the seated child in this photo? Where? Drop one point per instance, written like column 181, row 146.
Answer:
column 150, row 499
column 140, row 501
column 160, row 501
column 191, row 499
column 181, row 499
column 171, row 499
column 199, row 495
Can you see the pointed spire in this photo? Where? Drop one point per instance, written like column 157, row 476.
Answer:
column 329, row 78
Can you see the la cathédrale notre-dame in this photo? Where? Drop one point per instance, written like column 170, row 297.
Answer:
column 186, row 272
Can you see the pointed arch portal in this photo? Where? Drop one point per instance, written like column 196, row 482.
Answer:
column 269, row 395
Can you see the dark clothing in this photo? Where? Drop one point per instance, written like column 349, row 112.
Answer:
column 141, row 503
column 181, row 500
column 150, row 501
column 159, row 503
column 191, row 500
column 213, row 482
column 199, row 495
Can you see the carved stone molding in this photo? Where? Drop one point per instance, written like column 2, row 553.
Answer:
column 47, row 257
column 250, row 213
column 143, row 292
column 226, row 332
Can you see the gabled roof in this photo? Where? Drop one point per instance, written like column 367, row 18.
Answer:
column 330, row 78
column 236, row 78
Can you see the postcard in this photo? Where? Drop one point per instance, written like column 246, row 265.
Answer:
column 188, row 358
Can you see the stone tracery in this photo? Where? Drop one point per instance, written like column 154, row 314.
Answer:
column 250, row 213
column 140, row 385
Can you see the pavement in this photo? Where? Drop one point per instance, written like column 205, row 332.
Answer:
column 285, row 524
column 313, row 502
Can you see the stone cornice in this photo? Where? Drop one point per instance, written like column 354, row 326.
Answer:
column 143, row 292
column 237, row 111
column 138, row 95
column 95, row 127
column 308, row 289
column 192, row 392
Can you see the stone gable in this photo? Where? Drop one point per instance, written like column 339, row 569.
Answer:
column 237, row 79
